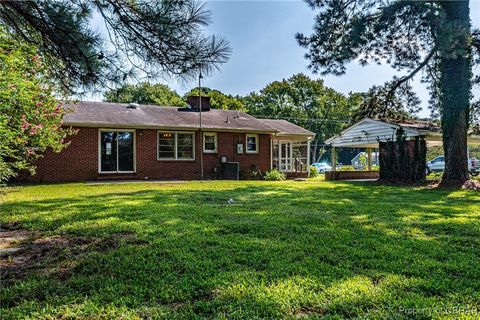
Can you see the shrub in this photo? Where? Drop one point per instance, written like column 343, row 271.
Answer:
column 346, row 168
column 254, row 173
column 313, row 172
column 275, row 175
column 352, row 168
column 30, row 113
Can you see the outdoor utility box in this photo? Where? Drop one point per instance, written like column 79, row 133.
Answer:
column 230, row 170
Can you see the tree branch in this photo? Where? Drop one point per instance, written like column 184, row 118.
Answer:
column 409, row 76
column 476, row 43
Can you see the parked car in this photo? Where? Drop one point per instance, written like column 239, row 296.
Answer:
column 438, row 165
column 321, row 166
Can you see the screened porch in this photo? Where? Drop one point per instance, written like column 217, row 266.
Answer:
column 290, row 147
column 290, row 156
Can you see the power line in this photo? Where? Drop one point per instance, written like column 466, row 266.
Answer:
column 306, row 119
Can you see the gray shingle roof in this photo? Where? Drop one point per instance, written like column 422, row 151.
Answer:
column 286, row 127
column 117, row 115
column 414, row 124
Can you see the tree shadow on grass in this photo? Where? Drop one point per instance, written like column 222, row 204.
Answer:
column 278, row 251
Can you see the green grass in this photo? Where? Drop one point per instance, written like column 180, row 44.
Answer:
column 282, row 250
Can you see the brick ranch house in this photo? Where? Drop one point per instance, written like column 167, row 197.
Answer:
column 130, row 141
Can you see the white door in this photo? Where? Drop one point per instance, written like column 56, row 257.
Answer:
column 285, row 156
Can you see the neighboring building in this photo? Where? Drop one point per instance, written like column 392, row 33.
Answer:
column 129, row 141
column 375, row 134
column 360, row 161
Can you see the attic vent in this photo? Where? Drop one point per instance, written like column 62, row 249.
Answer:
column 133, row 105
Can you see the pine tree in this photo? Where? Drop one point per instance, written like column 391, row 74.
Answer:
column 432, row 37
column 151, row 38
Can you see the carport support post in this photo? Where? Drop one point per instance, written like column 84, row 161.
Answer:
column 369, row 155
column 334, row 159
column 308, row 158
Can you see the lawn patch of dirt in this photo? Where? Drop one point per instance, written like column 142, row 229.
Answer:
column 23, row 251
column 471, row 185
column 467, row 185
column 306, row 312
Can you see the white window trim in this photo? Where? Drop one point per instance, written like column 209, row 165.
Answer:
column 213, row 134
column 176, row 145
column 100, row 150
column 257, row 141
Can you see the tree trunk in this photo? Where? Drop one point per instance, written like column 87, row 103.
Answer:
column 403, row 160
column 455, row 89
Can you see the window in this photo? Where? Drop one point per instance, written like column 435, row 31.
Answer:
column 184, row 146
column 252, row 143
column 210, row 142
column 166, row 145
column 117, row 151
column 175, row 146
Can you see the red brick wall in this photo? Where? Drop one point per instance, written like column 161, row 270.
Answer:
column 79, row 161
column 350, row 175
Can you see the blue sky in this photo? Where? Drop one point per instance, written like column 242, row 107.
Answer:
column 262, row 36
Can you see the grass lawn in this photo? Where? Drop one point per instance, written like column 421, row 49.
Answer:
column 281, row 250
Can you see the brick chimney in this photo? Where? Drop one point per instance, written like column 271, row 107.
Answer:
column 194, row 103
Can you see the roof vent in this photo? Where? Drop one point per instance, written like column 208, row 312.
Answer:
column 133, row 105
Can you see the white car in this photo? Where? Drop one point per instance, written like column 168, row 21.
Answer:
column 321, row 167
column 438, row 165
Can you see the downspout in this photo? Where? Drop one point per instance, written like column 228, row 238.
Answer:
column 201, row 134
column 271, row 151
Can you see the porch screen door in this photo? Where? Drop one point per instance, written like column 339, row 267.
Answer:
column 285, row 156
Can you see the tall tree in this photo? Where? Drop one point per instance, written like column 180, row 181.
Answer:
column 149, row 37
column 305, row 102
column 30, row 115
column 433, row 37
column 145, row 93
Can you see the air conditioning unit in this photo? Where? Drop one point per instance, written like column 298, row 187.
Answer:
column 231, row 170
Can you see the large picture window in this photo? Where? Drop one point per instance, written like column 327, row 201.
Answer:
column 175, row 145
column 252, row 143
column 117, row 151
column 210, row 142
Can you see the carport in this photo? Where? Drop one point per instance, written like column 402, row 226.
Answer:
column 368, row 133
